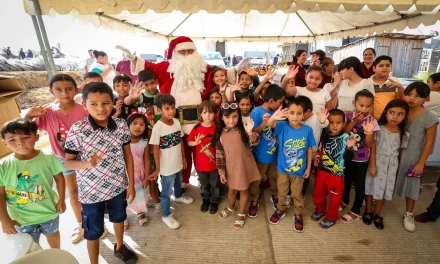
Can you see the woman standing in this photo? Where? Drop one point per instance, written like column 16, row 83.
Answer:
column 327, row 67
column 299, row 60
column 103, row 67
column 368, row 63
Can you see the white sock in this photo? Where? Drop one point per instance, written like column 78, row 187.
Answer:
column 408, row 213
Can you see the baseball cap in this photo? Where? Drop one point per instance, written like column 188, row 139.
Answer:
column 319, row 52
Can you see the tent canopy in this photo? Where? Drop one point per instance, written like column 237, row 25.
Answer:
column 250, row 20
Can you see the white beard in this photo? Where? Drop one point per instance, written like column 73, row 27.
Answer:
column 189, row 74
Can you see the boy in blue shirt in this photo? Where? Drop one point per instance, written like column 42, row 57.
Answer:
column 294, row 158
column 265, row 151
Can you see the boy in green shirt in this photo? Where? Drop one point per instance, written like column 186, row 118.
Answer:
column 28, row 204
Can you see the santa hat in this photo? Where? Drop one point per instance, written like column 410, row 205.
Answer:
column 180, row 43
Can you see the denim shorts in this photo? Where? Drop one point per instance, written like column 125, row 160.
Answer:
column 65, row 172
column 93, row 215
column 47, row 228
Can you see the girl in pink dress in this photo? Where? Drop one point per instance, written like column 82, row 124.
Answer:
column 137, row 124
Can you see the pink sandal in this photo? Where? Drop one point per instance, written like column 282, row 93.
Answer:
column 349, row 218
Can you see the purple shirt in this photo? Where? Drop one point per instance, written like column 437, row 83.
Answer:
column 360, row 149
column 124, row 67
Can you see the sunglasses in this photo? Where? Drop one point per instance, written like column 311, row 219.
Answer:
column 231, row 105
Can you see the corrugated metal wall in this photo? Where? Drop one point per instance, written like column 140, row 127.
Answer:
column 355, row 49
column 406, row 53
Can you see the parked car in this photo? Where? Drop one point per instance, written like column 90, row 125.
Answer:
column 214, row 59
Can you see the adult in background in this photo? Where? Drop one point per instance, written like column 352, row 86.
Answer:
column 234, row 61
column 103, row 67
column 317, row 57
column 327, row 65
column 30, row 55
column 123, row 66
column 8, row 53
column 369, row 55
column 433, row 211
column 275, row 59
column 21, row 55
column 299, row 60
column 89, row 61
column 434, row 96
column 187, row 77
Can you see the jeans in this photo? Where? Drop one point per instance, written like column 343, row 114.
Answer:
column 434, row 208
column 209, row 185
column 168, row 182
column 357, row 172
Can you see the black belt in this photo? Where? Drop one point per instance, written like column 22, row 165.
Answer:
column 188, row 114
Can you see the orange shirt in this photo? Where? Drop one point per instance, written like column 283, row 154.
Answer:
column 383, row 95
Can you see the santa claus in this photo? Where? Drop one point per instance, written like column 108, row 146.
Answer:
column 187, row 77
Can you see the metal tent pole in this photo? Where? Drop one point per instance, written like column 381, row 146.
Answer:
column 44, row 36
column 42, row 48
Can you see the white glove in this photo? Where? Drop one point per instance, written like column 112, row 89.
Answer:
column 126, row 53
column 244, row 62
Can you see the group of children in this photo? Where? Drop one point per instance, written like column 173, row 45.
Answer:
column 111, row 150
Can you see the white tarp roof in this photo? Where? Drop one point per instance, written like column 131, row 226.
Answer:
column 250, row 20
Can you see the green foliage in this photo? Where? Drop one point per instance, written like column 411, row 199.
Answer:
column 424, row 76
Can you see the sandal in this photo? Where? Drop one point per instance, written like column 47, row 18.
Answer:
column 378, row 222
column 342, row 206
column 349, row 218
column 223, row 214
column 368, row 220
column 238, row 224
column 143, row 222
column 125, row 225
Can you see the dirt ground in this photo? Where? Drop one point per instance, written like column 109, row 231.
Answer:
column 37, row 86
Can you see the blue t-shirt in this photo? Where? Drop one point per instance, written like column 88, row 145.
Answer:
column 293, row 145
column 265, row 151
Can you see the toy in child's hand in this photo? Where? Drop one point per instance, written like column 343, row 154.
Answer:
column 417, row 171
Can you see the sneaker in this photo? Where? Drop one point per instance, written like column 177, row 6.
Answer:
column 77, row 234
column 185, row 185
column 298, row 223
column 424, row 218
column 157, row 208
column 104, row 234
column 276, row 217
column 213, row 209
column 288, row 201
column 408, row 222
column 171, row 222
column 184, row 199
column 327, row 223
column 205, row 206
column 274, row 200
column 317, row 216
column 125, row 254
column 253, row 209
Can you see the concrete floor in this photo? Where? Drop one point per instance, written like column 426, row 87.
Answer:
column 204, row 238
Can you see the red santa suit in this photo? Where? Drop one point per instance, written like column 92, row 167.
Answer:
column 186, row 94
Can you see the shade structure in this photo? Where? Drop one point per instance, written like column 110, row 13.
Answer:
column 250, row 20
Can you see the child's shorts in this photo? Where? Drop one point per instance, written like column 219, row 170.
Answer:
column 47, row 228
column 65, row 172
column 93, row 215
